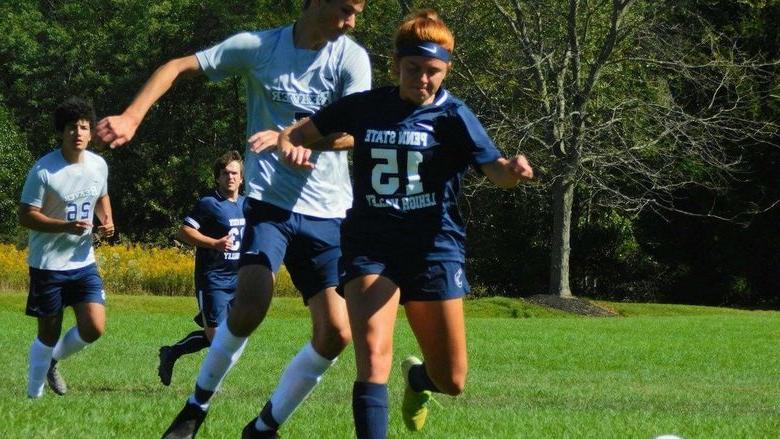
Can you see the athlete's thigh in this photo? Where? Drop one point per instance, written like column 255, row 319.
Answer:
column 266, row 236
column 84, row 286
column 253, row 291
column 313, row 255
column 440, row 329
column 45, row 295
column 372, row 304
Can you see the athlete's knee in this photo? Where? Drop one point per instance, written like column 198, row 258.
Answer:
column 452, row 383
column 252, row 300
column 332, row 340
column 90, row 331
column 454, row 387
column 49, row 329
column 49, row 338
column 376, row 365
column 243, row 320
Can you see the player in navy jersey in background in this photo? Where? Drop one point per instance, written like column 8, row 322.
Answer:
column 403, row 239
column 63, row 191
column 215, row 226
column 293, row 216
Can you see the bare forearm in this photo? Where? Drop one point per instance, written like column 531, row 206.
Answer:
column 103, row 210
column 292, row 136
column 502, row 177
column 35, row 220
column 195, row 238
column 117, row 131
column 158, row 84
column 506, row 173
column 305, row 134
column 333, row 142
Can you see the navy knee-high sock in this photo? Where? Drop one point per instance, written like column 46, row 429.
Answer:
column 369, row 408
column 192, row 342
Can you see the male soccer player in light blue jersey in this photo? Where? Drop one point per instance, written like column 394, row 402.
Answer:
column 215, row 226
column 62, row 193
column 293, row 215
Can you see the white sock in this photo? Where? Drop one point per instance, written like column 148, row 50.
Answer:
column 298, row 380
column 224, row 352
column 69, row 344
column 39, row 360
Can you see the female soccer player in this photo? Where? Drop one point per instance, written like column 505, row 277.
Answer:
column 403, row 239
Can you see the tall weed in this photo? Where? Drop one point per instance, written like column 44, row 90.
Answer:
column 130, row 269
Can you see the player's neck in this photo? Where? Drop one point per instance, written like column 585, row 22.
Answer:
column 72, row 154
column 230, row 195
column 306, row 35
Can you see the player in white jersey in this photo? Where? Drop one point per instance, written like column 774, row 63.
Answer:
column 62, row 192
column 292, row 215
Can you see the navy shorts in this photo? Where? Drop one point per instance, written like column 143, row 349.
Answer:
column 214, row 306
column 52, row 290
column 308, row 246
column 418, row 280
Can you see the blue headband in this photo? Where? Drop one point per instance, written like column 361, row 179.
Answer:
column 425, row 48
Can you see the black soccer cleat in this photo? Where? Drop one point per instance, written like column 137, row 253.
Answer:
column 187, row 423
column 165, row 369
column 55, row 380
column 250, row 432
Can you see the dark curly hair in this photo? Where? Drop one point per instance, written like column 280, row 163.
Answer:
column 71, row 110
column 224, row 160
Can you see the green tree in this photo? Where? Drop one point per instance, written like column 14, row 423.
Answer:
column 15, row 161
column 105, row 50
column 611, row 97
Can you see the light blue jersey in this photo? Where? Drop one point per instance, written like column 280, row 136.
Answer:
column 69, row 192
column 284, row 84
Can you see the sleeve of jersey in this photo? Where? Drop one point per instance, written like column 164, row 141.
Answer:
column 476, row 140
column 34, row 187
column 336, row 116
column 231, row 57
column 198, row 215
column 356, row 72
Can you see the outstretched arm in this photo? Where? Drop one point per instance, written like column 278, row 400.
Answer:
column 118, row 130
column 505, row 173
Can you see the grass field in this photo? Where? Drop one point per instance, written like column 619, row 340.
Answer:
column 693, row 371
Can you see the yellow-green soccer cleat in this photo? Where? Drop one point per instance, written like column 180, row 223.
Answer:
column 414, row 408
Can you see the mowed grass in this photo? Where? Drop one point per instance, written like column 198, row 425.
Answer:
column 693, row 371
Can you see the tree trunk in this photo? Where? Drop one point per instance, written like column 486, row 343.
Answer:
column 563, row 198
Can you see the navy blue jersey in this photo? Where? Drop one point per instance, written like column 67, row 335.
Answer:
column 408, row 163
column 216, row 216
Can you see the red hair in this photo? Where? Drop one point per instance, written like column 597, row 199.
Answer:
column 424, row 25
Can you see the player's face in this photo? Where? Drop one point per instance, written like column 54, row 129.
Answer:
column 230, row 180
column 338, row 17
column 420, row 78
column 76, row 135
